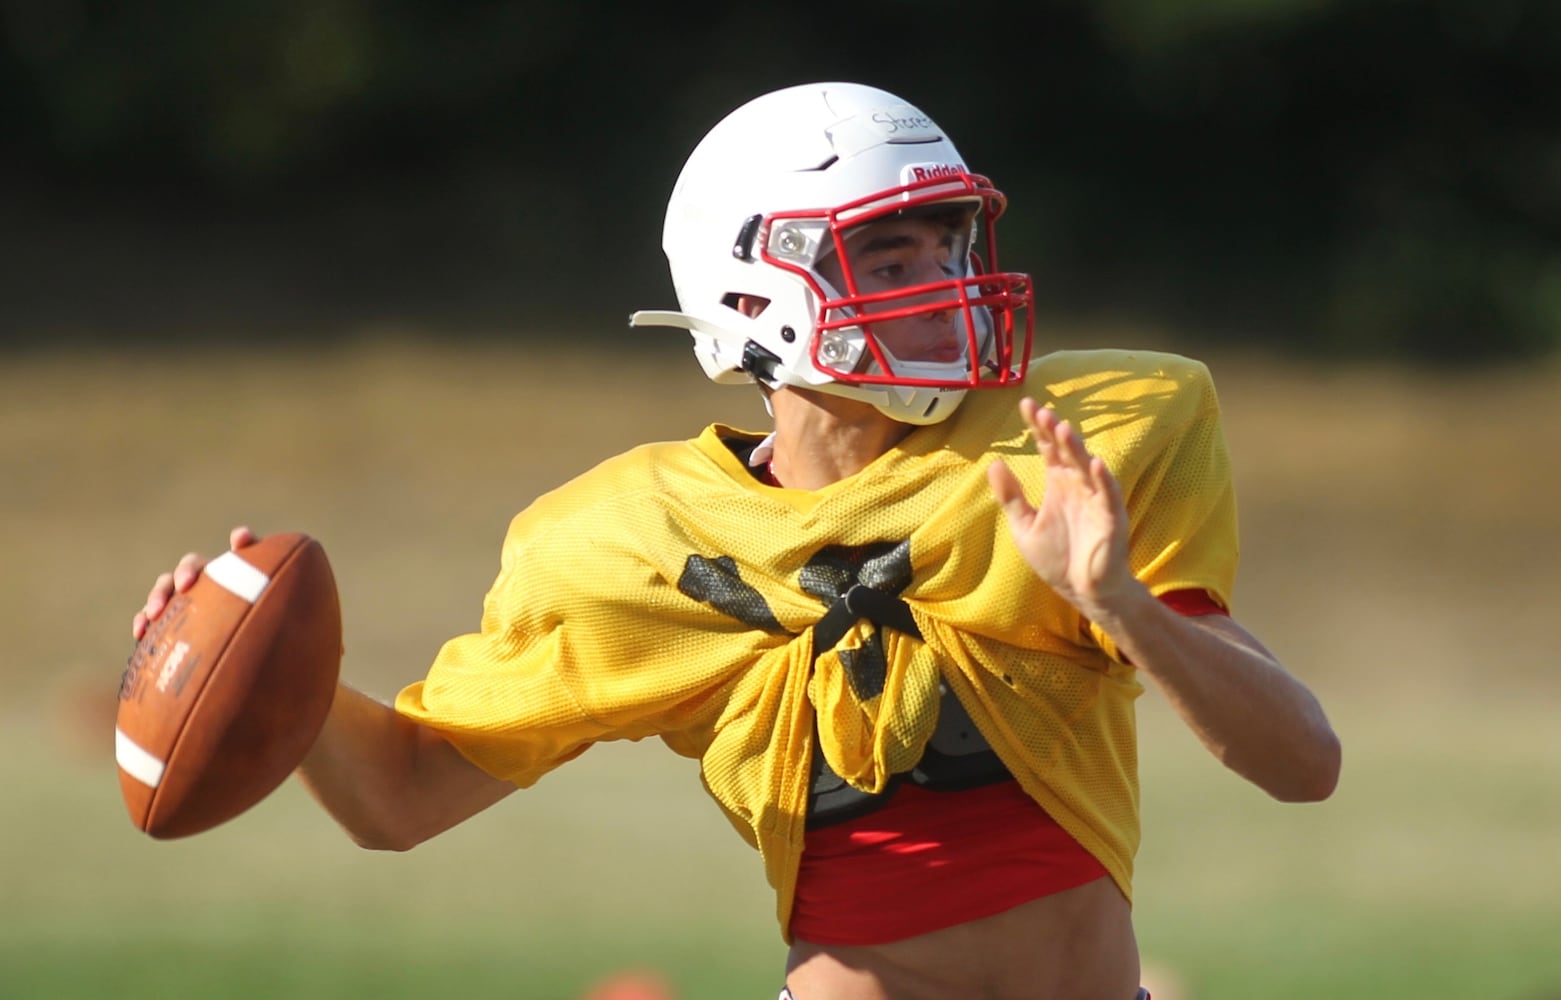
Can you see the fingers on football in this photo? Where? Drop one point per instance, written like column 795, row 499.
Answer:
column 156, row 600
column 180, row 580
column 157, row 597
column 188, row 571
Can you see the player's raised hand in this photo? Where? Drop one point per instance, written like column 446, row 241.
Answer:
column 183, row 576
column 1076, row 540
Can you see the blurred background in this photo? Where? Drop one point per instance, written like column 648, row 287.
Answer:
column 1328, row 176
column 363, row 270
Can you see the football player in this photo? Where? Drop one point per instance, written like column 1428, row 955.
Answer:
column 902, row 629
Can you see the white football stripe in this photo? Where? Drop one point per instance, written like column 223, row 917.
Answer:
column 135, row 761
column 230, row 572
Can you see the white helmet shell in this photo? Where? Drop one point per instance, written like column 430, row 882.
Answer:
column 772, row 190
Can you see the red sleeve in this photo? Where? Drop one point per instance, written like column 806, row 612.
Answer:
column 1192, row 603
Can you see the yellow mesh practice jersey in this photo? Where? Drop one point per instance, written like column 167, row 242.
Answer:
column 669, row 593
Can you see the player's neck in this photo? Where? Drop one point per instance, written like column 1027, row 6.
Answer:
column 821, row 439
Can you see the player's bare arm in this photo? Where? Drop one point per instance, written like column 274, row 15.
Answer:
column 1231, row 691
column 389, row 782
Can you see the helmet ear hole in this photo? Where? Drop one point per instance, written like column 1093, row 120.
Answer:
column 751, row 306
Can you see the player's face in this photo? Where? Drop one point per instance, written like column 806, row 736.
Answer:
column 900, row 253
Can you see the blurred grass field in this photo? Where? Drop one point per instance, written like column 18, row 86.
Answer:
column 1401, row 538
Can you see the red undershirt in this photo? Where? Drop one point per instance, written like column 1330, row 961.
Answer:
column 927, row 860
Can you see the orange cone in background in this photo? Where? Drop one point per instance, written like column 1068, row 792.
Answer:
column 635, row 985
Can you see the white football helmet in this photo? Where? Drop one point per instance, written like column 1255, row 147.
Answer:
column 776, row 188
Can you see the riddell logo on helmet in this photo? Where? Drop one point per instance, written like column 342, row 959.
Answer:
column 932, row 171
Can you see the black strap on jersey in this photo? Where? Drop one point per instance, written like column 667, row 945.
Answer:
column 957, row 756
column 860, row 602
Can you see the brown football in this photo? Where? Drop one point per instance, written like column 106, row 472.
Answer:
column 228, row 688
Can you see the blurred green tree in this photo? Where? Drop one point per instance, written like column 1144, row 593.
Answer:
column 1327, row 176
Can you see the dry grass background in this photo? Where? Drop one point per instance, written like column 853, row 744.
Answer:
column 1401, row 537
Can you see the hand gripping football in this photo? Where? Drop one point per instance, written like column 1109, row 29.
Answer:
column 228, row 688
